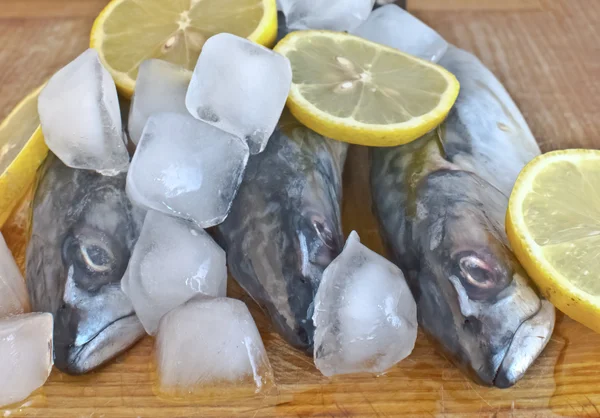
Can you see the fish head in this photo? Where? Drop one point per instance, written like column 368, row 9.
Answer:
column 314, row 226
column 475, row 298
column 284, row 227
column 83, row 231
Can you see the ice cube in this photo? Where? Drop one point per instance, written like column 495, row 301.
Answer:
column 365, row 315
column 210, row 342
column 172, row 262
column 338, row 15
column 26, row 353
column 13, row 292
column 160, row 87
column 392, row 26
column 240, row 87
column 186, row 168
column 80, row 117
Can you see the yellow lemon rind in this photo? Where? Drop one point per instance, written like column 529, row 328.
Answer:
column 353, row 131
column 265, row 34
column 20, row 173
column 576, row 303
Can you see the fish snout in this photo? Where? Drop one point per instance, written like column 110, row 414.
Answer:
column 76, row 353
column 528, row 342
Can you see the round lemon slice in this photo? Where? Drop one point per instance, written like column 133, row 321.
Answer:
column 354, row 90
column 22, row 151
column 553, row 224
column 127, row 32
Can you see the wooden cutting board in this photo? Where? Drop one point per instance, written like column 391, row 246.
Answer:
column 546, row 52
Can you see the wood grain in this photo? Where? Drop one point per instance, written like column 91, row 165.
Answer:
column 546, row 52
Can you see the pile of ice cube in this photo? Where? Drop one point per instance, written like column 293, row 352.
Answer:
column 193, row 134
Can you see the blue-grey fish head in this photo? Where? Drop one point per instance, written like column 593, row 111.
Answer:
column 313, row 221
column 82, row 233
column 473, row 295
column 315, row 239
column 284, row 228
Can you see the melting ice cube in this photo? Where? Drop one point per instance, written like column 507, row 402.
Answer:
column 26, row 353
column 160, row 87
column 13, row 292
column 210, row 342
column 240, row 87
column 365, row 315
column 339, row 15
column 392, row 26
column 172, row 262
column 80, row 117
column 186, row 168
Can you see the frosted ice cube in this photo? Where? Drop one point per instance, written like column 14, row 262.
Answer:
column 80, row 117
column 210, row 342
column 172, row 262
column 339, row 15
column 392, row 26
column 186, row 168
column 365, row 315
column 160, row 87
column 26, row 353
column 240, row 87
column 13, row 292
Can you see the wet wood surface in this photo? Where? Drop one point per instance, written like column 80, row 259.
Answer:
column 546, row 52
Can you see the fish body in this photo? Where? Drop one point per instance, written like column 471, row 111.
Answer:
column 82, row 233
column 284, row 227
column 441, row 203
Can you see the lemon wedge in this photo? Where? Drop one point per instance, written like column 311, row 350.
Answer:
column 353, row 90
column 553, row 224
column 127, row 32
column 22, row 151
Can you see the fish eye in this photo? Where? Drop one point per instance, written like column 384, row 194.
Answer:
column 96, row 256
column 476, row 272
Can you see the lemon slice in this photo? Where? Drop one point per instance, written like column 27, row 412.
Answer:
column 353, row 90
column 22, row 151
column 127, row 32
column 553, row 224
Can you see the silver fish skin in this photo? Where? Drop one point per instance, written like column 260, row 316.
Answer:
column 285, row 227
column 82, row 234
column 441, row 203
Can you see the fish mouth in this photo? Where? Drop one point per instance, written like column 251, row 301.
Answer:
column 527, row 343
column 116, row 337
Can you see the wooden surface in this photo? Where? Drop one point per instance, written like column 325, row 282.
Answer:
column 547, row 53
